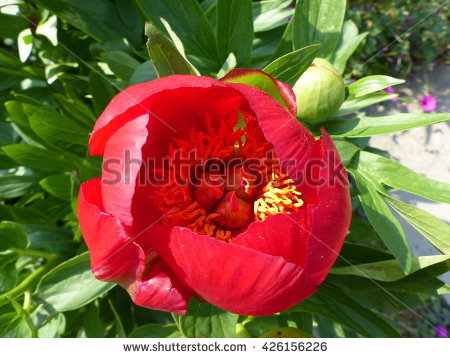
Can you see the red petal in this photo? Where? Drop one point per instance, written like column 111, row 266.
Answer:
column 330, row 219
column 122, row 162
column 133, row 102
column 280, row 91
column 116, row 257
column 278, row 235
column 230, row 276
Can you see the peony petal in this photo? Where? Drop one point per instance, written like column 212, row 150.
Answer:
column 117, row 258
column 330, row 219
column 122, row 162
column 133, row 102
column 235, row 278
column 278, row 90
column 278, row 235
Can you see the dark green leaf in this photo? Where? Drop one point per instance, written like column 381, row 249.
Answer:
column 188, row 21
column 121, row 64
column 290, row 67
column 204, row 320
column 165, row 57
column 153, row 330
column 38, row 158
column 13, row 186
column 49, row 239
column 270, row 14
column 71, row 285
column 349, row 41
column 346, row 149
column 101, row 89
column 339, row 307
column 12, row 236
column 389, row 270
column 382, row 219
column 318, row 21
column 235, row 30
column 60, row 186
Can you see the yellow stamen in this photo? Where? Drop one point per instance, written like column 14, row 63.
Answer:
column 279, row 196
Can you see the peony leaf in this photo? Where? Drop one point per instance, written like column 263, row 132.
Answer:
column 390, row 270
column 153, row 330
column 165, row 57
column 318, row 21
column 235, row 30
column 336, row 305
column 188, row 21
column 435, row 231
column 371, row 84
column 348, row 43
column 369, row 126
column 204, row 320
column 71, row 285
column 382, row 219
column 290, row 67
column 352, row 105
column 396, row 175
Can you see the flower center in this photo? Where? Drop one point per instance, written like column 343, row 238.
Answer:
column 218, row 181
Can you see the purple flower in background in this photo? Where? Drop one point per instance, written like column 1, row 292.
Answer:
column 428, row 103
column 409, row 20
column 441, row 332
column 391, row 90
column 351, row 80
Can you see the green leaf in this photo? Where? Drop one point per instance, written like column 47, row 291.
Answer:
column 390, row 270
column 12, row 236
column 98, row 18
column 318, row 21
column 49, row 29
column 371, row 84
column 369, row 126
column 259, row 80
column 14, row 186
column 204, row 320
column 352, row 105
column 346, row 149
column 71, row 285
column 394, row 174
column 290, row 67
column 58, row 131
column 77, row 110
column 153, row 330
column 235, row 30
column 121, row 64
column 144, row 73
column 101, row 89
column 59, row 186
column 349, row 41
column 38, row 158
column 165, row 57
column 383, row 221
column 270, row 14
column 49, row 239
column 188, row 21
column 436, row 231
column 341, row 308
column 25, row 44
column 228, row 65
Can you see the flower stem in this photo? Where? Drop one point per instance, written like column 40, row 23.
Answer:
column 31, row 280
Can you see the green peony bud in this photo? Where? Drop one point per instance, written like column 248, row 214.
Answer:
column 320, row 92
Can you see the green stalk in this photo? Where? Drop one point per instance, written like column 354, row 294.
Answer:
column 30, row 282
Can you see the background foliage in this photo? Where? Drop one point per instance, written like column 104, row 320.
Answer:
column 61, row 61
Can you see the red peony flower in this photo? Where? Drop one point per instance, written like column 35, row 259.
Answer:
column 213, row 189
